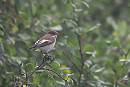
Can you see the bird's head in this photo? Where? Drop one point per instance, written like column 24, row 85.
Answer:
column 53, row 33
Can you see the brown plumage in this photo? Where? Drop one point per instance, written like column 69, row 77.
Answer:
column 46, row 43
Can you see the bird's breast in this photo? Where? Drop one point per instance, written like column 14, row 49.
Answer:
column 47, row 48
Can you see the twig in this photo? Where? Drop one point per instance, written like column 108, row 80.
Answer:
column 116, row 84
column 36, row 69
column 123, row 66
column 41, row 65
column 80, row 50
column 33, row 72
column 82, row 58
column 55, row 73
column 126, row 54
column 14, row 81
column 26, row 80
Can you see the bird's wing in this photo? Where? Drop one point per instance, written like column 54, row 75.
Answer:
column 42, row 43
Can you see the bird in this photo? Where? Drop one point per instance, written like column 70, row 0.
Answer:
column 46, row 43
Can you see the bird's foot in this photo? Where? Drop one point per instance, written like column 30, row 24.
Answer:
column 47, row 57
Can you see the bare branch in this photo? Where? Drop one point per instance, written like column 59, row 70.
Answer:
column 82, row 58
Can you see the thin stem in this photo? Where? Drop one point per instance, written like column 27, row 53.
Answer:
column 55, row 73
column 32, row 72
column 41, row 65
column 82, row 59
column 126, row 54
column 14, row 81
column 36, row 69
column 123, row 66
column 115, row 84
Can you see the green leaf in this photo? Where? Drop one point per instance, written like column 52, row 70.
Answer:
column 125, row 60
column 15, row 28
column 88, row 63
column 85, row 4
column 73, row 22
column 61, row 83
column 2, row 46
column 1, row 27
column 99, row 70
column 36, row 78
column 32, row 61
column 91, row 53
column 115, row 43
column 56, row 66
column 122, row 28
column 120, row 84
column 57, row 27
column 94, row 27
column 24, row 36
column 93, row 68
column 39, row 71
column 1, row 33
column 28, row 67
column 51, row 80
column 118, row 68
column 88, row 48
column 76, row 30
column 11, row 49
column 34, row 9
column 112, row 22
column 69, row 75
column 73, row 5
column 9, row 74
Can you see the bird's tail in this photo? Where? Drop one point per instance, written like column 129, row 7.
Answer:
column 32, row 47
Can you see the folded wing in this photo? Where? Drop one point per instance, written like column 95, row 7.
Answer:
column 41, row 43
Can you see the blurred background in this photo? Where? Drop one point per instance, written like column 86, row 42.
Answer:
column 92, row 49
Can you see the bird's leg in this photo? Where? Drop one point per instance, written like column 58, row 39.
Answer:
column 45, row 54
column 45, row 57
column 48, row 57
column 41, row 52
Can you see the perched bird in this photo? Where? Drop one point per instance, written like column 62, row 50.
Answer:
column 46, row 43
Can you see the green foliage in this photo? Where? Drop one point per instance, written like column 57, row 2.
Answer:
column 55, row 66
column 1, row 30
column 36, row 79
column 28, row 67
column 101, row 27
column 1, row 33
